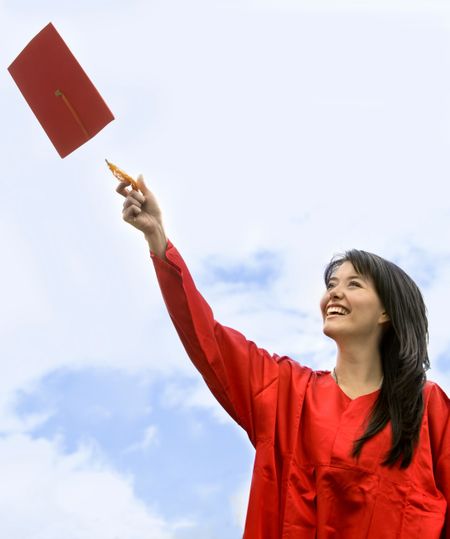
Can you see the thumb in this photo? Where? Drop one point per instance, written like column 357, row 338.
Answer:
column 141, row 184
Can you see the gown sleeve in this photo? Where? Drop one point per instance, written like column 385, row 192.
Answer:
column 439, row 421
column 242, row 377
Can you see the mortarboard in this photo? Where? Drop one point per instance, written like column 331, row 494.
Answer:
column 64, row 100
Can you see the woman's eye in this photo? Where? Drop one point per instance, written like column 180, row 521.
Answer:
column 354, row 283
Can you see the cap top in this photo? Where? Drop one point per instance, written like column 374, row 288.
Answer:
column 66, row 103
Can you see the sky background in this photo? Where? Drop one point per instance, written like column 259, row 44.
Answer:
column 275, row 133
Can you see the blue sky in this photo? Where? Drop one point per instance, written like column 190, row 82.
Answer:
column 274, row 134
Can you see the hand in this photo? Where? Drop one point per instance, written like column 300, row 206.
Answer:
column 142, row 211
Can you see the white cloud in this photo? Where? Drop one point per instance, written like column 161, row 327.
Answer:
column 48, row 495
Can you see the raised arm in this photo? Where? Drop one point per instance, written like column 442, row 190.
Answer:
column 244, row 378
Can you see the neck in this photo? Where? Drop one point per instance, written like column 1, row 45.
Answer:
column 358, row 366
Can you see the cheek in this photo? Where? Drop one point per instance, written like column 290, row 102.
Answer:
column 370, row 311
column 323, row 303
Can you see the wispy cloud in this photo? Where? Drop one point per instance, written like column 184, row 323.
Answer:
column 193, row 395
column 258, row 270
column 149, row 438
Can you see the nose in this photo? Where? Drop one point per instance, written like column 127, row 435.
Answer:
column 335, row 292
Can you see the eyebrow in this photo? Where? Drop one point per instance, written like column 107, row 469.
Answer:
column 349, row 278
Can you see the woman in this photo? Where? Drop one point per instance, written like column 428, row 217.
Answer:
column 362, row 452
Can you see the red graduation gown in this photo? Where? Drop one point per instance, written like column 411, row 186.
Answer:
column 305, row 484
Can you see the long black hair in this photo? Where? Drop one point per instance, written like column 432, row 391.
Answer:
column 404, row 356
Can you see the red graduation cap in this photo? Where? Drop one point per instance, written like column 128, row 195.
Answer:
column 64, row 100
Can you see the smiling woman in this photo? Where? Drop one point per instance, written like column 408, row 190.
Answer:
column 360, row 453
column 382, row 342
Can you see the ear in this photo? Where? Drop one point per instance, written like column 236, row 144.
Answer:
column 384, row 317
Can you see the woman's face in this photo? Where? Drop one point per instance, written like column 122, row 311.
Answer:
column 351, row 307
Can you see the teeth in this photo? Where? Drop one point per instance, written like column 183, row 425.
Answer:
column 337, row 310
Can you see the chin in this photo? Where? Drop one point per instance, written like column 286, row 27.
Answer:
column 328, row 332
column 332, row 332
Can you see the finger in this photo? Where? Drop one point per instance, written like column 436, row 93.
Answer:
column 130, row 214
column 137, row 196
column 122, row 189
column 129, row 201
